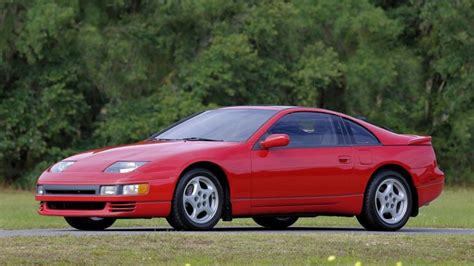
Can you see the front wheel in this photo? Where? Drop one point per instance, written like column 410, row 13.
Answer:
column 275, row 222
column 198, row 201
column 90, row 223
column 387, row 202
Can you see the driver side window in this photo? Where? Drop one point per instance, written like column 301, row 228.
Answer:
column 307, row 129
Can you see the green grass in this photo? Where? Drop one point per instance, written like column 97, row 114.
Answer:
column 238, row 249
column 455, row 209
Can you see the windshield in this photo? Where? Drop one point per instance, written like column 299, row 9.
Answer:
column 219, row 125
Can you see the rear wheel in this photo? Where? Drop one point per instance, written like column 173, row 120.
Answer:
column 387, row 202
column 198, row 201
column 275, row 222
column 90, row 223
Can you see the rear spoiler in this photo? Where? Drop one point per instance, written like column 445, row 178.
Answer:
column 420, row 140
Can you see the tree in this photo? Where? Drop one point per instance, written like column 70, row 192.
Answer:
column 79, row 74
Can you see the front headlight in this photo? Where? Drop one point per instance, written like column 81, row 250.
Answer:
column 108, row 190
column 61, row 166
column 123, row 167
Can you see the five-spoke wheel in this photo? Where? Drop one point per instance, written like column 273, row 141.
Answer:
column 198, row 201
column 390, row 201
column 387, row 202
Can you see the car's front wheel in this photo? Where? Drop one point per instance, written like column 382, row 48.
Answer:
column 90, row 223
column 387, row 202
column 198, row 201
column 275, row 222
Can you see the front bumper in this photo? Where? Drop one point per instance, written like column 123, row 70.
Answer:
column 83, row 200
column 119, row 209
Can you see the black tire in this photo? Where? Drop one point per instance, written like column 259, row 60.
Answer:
column 90, row 223
column 369, row 218
column 173, row 223
column 275, row 222
column 179, row 218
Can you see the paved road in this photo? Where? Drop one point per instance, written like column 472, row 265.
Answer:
column 231, row 230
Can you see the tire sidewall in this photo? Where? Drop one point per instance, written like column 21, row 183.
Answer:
column 178, row 201
column 380, row 177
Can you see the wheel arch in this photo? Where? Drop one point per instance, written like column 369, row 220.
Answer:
column 221, row 176
column 408, row 177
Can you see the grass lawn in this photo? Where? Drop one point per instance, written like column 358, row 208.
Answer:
column 238, row 249
column 455, row 209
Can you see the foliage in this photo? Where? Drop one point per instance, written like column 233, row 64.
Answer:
column 80, row 74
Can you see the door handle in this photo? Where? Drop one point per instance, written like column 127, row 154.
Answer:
column 345, row 159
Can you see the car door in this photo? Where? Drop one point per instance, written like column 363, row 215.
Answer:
column 312, row 170
column 366, row 147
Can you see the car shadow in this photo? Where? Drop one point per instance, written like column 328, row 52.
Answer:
column 235, row 229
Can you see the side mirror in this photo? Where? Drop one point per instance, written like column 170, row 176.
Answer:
column 275, row 140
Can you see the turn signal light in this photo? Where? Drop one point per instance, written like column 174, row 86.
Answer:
column 136, row 189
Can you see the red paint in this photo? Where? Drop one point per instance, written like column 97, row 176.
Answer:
column 275, row 140
column 275, row 180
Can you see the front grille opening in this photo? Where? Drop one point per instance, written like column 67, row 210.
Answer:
column 70, row 191
column 58, row 205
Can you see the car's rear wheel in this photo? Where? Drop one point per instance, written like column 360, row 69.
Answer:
column 275, row 222
column 198, row 201
column 387, row 202
column 90, row 223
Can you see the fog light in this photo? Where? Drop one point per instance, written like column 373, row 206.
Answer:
column 108, row 190
column 137, row 189
column 39, row 190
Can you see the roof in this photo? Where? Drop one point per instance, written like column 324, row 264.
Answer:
column 264, row 107
column 284, row 107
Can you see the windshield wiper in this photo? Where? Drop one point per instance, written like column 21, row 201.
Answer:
column 200, row 139
column 162, row 139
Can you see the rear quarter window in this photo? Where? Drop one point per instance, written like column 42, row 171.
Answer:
column 359, row 134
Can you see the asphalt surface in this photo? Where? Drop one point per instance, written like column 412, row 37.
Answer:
column 231, row 230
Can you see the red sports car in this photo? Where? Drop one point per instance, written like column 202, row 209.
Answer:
column 271, row 163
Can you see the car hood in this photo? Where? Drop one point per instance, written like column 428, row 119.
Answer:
column 149, row 151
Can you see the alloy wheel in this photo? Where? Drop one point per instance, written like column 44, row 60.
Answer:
column 391, row 201
column 200, row 199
